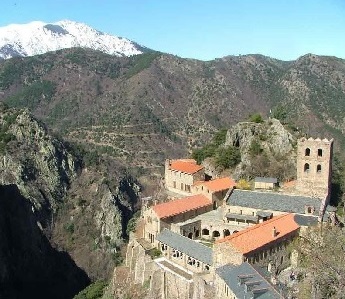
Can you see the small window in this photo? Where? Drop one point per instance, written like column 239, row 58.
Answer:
column 307, row 151
column 319, row 152
column 318, row 168
column 306, row 167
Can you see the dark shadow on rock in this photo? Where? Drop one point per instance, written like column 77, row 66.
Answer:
column 29, row 266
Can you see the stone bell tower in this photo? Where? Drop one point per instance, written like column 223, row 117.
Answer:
column 314, row 167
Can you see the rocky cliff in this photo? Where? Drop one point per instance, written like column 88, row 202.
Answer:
column 61, row 223
column 267, row 149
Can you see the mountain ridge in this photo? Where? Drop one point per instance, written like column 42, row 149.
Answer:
column 38, row 37
column 166, row 105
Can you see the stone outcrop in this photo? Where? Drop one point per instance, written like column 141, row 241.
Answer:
column 37, row 163
column 72, row 215
column 268, row 140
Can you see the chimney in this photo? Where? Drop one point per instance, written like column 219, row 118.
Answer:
column 274, row 232
column 257, row 292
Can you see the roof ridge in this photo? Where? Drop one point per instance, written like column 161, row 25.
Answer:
column 277, row 193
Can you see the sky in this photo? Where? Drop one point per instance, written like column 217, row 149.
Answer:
column 202, row 29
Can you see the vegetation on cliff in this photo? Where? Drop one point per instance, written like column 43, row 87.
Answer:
column 145, row 108
column 71, row 205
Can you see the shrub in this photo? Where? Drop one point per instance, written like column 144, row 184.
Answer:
column 154, row 253
column 69, row 227
column 243, row 184
column 132, row 223
column 228, row 157
column 255, row 148
column 93, row 291
column 256, row 118
column 117, row 258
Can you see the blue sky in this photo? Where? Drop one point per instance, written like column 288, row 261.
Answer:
column 203, row 29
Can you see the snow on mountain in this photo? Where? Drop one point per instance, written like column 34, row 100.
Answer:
column 38, row 38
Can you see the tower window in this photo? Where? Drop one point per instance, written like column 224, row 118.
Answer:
column 307, row 151
column 318, row 168
column 319, row 152
column 306, row 167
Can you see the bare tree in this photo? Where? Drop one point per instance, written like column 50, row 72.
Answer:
column 322, row 256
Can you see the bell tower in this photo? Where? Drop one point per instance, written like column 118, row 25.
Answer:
column 314, row 167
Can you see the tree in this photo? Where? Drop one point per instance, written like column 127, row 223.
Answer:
column 256, row 118
column 280, row 113
column 227, row 157
column 322, row 256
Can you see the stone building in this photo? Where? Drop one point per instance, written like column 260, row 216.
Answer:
column 242, row 206
column 163, row 215
column 180, row 175
column 249, row 229
column 214, row 189
column 192, row 255
column 264, row 244
column 243, row 281
column 314, row 167
column 265, row 183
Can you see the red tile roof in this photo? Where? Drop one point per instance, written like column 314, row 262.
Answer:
column 182, row 205
column 219, row 184
column 187, row 166
column 261, row 234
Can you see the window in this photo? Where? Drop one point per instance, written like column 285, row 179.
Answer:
column 319, row 152
column 318, row 168
column 307, row 152
column 306, row 167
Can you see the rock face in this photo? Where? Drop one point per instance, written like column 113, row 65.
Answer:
column 262, row 146
column 29, row 266
column 37, row 163
column 56, row 216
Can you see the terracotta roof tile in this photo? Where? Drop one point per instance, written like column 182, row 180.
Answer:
column 219, row 184
column 182, row 205
column 261, row 234
column 188, row 166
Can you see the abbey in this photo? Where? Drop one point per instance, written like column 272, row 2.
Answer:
column 232, row 243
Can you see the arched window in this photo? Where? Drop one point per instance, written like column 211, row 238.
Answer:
column 306, row 167
column 215, row 234
column 318, row 168
column 319, row 152
column 307, row 151
column 205, row 232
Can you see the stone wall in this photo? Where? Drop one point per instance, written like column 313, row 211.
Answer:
column 247, row 211
column 314, row 157
column 180, row 182
column 224, row 253
column 163, row 284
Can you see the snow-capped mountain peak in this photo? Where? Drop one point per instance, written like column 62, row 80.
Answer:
column 38, row 37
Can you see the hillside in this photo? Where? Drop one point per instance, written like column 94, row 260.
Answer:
column 145, row 108
column 63, row 215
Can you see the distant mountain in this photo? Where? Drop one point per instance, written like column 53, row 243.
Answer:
column 38, row 38
column 145, row 108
